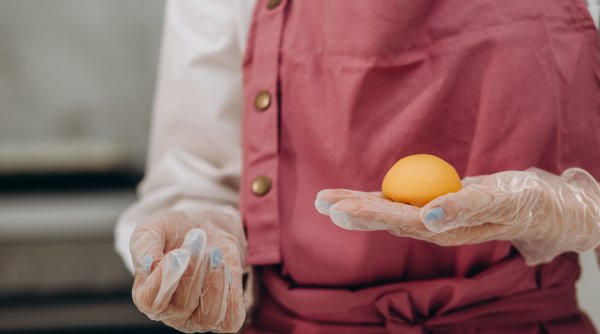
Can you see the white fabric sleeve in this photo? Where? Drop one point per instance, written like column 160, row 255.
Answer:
column 194, row 158
column 594, row 7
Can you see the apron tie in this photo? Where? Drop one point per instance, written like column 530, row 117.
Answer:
column 400, row 315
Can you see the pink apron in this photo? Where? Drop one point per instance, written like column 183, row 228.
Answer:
column 345, row 88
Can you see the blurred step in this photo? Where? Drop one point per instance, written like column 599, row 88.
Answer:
column 53, row 267
column 83, row 314
column 62, row 215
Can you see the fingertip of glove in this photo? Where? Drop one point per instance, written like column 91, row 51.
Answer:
column 228, row 276
column 146, row 262
column 433, row 219
column 322, row 206
column 321, row 203
column 339, row 216
column 178, row 260
column 195, row 241
column 433, row 215
column 216, row 258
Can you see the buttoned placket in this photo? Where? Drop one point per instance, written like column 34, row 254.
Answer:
column 261, row 135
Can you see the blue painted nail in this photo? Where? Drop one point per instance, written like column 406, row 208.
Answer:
column 434, row 215
column 216, row 258
column 178, row 256
column 197, row 245
column 195, row 241
column 227, row 275
column 147, row 263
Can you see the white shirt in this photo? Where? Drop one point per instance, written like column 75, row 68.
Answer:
column 194, row 157
column 594, row 7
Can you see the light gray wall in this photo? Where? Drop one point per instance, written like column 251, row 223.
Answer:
column 73, row 70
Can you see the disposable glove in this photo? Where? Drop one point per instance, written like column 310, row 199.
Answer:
column 542, row 214
column 188, row 269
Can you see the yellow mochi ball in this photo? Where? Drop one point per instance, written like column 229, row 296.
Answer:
column 418, row 179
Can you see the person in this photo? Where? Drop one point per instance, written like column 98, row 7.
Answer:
column 300, row 107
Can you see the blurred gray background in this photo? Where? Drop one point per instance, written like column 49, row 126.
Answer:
column 78, row 73
column 76, row 89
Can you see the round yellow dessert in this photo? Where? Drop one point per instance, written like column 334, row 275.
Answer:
column 418, row 179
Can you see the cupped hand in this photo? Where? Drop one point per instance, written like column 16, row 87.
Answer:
column 542, row 214
column 371, row 211
column 188, row 270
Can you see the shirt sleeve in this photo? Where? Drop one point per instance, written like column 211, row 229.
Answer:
column 594, row 7
column 194, row 158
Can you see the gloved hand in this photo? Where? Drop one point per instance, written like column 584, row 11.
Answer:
column 542, row 214
column 188, row 269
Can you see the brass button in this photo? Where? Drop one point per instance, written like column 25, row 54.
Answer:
column 261, row 185
column 273, row 3
column 262, row 100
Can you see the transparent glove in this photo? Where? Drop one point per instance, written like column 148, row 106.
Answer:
column 542, row 214
column 188, row 269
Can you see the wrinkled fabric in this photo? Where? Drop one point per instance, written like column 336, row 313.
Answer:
column 488, row 86
column 426, row 306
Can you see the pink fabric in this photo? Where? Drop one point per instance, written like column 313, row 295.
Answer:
column 499, row 300
column 487, row 85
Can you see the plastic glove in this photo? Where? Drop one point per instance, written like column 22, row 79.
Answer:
column 188, row 269
column 542, row 214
